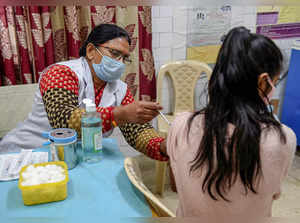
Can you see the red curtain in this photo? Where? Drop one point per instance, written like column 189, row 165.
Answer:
column 42, row 39
column 25, row 63
column 7, row 65
column 146, row 68
column 34, row 37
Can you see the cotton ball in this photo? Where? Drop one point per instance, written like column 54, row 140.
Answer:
column 39, row 169
column 25, row 175
column 59, row 177
column 43, row 178
column 43, row 174
column 30, row 168
column 28, row 172
column 25, row 183
column 51, row 173
column 33, row 181
column 58, row 169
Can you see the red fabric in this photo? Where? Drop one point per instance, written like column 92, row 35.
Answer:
column 6, row 52
column 153, row 149
column 59, row 76
column 26, row 72
column 106, row 116
column 48, row 37
column 103, row 14
column 128, row 98
column 146, row 69
column 72, row 31
column 107, row 112
column 46, row 47
column 98, row 94
column 37, row 40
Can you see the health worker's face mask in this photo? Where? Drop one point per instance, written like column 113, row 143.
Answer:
column 108, row 69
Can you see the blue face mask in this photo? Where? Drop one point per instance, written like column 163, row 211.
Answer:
column 271, row 109
column 109, row 69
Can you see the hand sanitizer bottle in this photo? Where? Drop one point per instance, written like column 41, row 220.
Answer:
column 91, row 133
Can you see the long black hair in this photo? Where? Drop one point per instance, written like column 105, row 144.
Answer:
column 234, row 98
column 103, row 33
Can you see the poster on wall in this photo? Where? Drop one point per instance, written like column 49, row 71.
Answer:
column 281, row 24
column 206, row 26
column 281, row 31
column 278, row 22
column 205, row 29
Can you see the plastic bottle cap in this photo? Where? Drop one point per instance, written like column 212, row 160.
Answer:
column 90, row 107
column 87, row 101
column 63, row 135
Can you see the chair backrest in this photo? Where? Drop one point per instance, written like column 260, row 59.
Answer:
column 15, row 104
column 184, row 76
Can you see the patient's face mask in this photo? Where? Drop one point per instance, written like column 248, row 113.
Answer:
column 108, row 69
column 269, row 97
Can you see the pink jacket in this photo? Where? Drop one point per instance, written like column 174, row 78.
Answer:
column 275, row 159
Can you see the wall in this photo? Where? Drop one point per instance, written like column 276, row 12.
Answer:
column 169, row 28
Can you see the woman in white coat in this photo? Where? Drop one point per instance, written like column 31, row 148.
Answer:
column 95, row 75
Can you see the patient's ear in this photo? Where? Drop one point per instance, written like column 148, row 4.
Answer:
column 263, row 84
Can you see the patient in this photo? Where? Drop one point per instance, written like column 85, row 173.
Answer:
column 230, row 158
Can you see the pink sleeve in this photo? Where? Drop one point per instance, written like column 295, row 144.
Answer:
column 176, row 130
column 291, row 141
column 287, row 159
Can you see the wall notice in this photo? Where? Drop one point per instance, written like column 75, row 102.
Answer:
column 206, row 26
column 207, row 54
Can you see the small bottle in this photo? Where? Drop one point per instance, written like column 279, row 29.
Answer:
column 91, row 133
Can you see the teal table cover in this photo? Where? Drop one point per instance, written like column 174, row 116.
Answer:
column 99, row 192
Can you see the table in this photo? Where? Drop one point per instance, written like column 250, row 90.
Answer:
column 95, row 192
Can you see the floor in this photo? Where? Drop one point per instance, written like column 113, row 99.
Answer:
column 295, row 169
